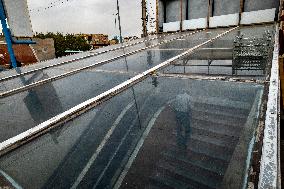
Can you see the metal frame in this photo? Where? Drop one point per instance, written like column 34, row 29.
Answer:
column 82, row 108
column 251, row 54
column 8, row 37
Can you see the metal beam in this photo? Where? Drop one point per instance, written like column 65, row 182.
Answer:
column 210, row 12
column 181, row 14
column 242, row 5
column 7, row 35
column 144, row 18
column 157, row 16
column 119, row 22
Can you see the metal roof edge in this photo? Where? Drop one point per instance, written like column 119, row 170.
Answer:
column 269, row 165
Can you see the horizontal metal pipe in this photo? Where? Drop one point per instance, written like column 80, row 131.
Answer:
column 23, row 42
column 82, row 108
column 48, row 80
column 84, row 57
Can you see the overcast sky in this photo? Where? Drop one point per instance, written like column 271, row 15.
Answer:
column 86, row 16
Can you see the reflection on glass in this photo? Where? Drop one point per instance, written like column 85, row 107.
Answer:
column 42, row 103
column 181, row 105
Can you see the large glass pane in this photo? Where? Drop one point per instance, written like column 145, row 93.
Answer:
column 25, row 110
column 163, row 132
column 139, row 61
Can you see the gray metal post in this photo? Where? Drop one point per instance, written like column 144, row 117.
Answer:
column 119, row 23
column 144, row 15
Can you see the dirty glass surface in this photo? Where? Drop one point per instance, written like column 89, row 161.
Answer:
column 93, row 54
column 140, row 61
column 45, row 101
column 144, row 138
column 25, row 110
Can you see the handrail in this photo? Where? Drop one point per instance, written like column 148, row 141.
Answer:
column 75, row 71
column 82, row 108
column 84, row 57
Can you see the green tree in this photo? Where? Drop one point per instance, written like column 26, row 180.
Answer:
column 65, row 42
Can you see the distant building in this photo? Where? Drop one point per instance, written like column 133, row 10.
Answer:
column 113, row 41
column 130, row 38
column 96, row 40
column 23, row 53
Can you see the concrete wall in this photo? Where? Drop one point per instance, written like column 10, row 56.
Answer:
column 197, row 9
column 173, row 10
column 223, row 7
column 44, row 49
column 253, row 5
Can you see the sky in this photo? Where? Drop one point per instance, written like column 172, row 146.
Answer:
column 86, row 16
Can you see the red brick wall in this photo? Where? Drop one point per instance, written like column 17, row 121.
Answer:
column 23, row 53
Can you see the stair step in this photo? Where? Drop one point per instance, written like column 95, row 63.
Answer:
column 221, row 128
column 210, row 148
column 201, row 165
column 152, row 186
column 165, row 182
column 212, row 115
column 213, row 134
column 224, row 110
column 187, row 176
column 215, row 121
column 213, row 141
column 196, row 167
column 207, row 161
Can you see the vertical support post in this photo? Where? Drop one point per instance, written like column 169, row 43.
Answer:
column 210, row 12
column 281, row 72
column 187, row 10
column 7, row 35
column 157, row 16
column 165, row 11
column 144, row 15
column 119, row 23
column 242, row 5
column 181, row 13
column 281, row 9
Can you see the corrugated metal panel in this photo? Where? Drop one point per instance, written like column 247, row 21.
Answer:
column 18, row 18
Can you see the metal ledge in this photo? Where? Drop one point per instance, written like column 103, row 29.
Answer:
column 269, row 165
